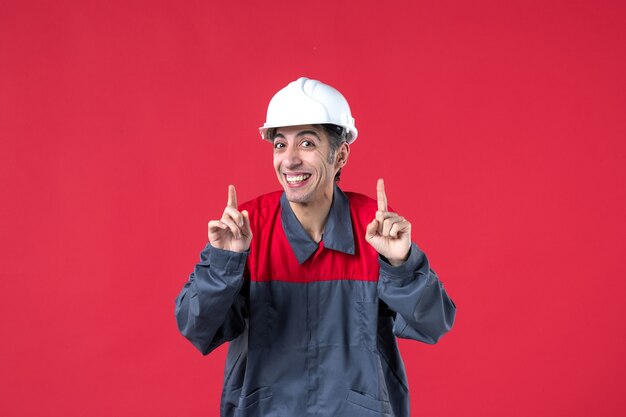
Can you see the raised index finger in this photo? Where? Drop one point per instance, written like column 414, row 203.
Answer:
column 380, row 192
column 232, row 197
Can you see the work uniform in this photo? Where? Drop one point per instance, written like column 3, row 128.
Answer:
column 312, row 326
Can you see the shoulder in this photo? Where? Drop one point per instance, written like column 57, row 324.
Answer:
column 362, row 207
column 263, row 204
column 361, row 201
column 264, row 213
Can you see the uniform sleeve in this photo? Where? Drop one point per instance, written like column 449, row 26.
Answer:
column 211, row 308
column 424, row 311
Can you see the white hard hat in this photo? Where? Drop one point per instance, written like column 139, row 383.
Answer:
column 306, row 102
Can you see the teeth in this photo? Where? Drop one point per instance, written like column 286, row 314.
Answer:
column 297, row 178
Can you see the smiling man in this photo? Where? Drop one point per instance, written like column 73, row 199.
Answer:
column 311, row 285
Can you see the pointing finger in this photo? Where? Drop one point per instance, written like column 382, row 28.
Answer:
column 232, row 196
column 380, row 193
column 380, row 218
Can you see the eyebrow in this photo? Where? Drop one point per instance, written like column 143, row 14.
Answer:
column 303, row 133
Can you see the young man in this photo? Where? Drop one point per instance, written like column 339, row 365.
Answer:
column 312, row 285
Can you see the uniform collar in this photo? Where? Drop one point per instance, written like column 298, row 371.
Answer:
column 337, row 233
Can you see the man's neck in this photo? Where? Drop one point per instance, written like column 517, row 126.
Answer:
column 313, row 216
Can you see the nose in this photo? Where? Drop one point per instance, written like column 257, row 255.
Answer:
column 292, row 158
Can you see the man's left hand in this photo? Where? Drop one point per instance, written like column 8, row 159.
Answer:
column 389, row 233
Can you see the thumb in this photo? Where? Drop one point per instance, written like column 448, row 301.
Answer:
column 372, row 230
column 246, row 222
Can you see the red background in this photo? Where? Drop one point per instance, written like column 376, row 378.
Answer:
column 499, row 128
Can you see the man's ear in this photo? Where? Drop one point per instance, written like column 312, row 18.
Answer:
column 342, row 155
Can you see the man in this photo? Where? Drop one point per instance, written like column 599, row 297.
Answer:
column 311, row 285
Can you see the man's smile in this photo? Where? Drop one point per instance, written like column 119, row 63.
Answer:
column 295, row 180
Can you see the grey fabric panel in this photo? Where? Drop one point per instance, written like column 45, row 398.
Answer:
column 315, row 346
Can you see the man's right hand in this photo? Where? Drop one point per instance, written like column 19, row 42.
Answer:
column 232, row 232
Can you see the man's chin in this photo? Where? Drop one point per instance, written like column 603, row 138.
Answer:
column 297, row 197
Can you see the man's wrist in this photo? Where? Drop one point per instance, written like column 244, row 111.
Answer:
column 399, row 261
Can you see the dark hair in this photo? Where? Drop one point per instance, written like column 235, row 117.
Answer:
column 336, row 136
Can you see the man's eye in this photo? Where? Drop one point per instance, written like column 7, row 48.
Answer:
column 307, row 143
column 279, row 145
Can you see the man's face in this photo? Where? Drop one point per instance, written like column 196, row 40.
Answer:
column 301, row 162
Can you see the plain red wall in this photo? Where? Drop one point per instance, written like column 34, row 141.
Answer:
column 499, row 127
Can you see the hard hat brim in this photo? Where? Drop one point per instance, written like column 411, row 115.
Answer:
column 352, row 132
